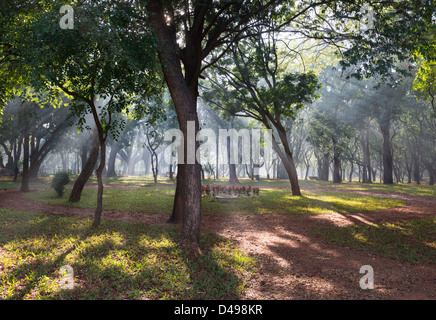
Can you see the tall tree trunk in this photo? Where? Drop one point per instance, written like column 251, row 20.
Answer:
column 99, row 209
column 154, row 165
column 324, row 171
column 350, row 178
column 217, row 174
column 177, row 213
column 319, row 167
column 17, row 153
column 233, row 178
column 183, row 93
column 337, row 178
column 416, row 175
column 430, row 166
column 366, row 166
column 307, row 172
column 25, row 175
column 387, row 154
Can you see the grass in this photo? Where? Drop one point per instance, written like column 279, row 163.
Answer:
column 117, row 261
column 271, row 201
column 414, row 189
column 8, row 183
column 122, row 260
column 413, row 242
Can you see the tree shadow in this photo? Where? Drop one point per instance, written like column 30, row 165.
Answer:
column 121, row 260
column 298, row 263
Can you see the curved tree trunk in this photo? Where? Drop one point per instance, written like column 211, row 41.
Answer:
column 111, row 161
column 87, row 170
column 289, row 165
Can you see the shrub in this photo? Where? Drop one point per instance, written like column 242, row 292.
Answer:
column 59, row 181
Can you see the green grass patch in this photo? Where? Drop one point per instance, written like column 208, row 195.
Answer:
column 414, row 189
column 413, row 242
column 271, row 201
column 130, row 199
column 147, row 180
column 281, row 201
column 116, row 261
column 8, row 183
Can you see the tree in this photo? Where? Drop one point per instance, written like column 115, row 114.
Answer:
column 419, row 125
column 224, row 121
column 80, row 62
column 207, row 27
column 425, row 81
column 206, row 30
column 235, row 88
column 373, row 36
column 87, row 169
column 384, row 104
column 153, row 140
column 38, row 122
column 330, row 125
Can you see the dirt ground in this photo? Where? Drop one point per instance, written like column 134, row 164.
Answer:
column 293, row 262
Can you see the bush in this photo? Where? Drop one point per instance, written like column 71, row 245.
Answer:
column 59, row 181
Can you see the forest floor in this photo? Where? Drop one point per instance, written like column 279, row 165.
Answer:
column 294, row 260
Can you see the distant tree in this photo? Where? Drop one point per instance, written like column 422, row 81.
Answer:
column 419, row 125
column 331, row 126
column 235, row 88
column 35, row 124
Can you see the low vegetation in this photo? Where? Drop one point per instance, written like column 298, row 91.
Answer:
column 270, row 201
column 413, row 242
column 118, row 261
column 125, row 260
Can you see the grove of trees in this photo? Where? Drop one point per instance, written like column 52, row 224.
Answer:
column 344, row 101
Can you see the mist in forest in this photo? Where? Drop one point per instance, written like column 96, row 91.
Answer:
column 355, row 131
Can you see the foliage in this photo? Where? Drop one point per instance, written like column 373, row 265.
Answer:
column 399, row 29
column 93, row 61
column 251, row 82
column 425, row 81
column 60, row 180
